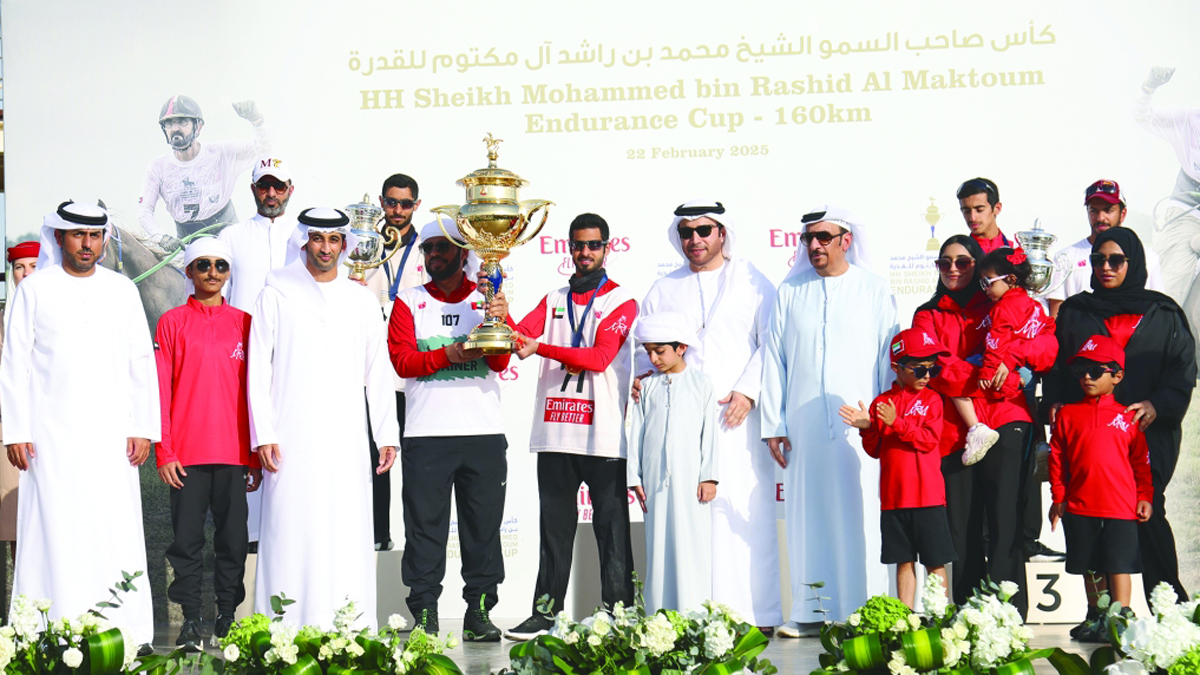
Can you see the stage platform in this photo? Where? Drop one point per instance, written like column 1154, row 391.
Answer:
column 791, row 656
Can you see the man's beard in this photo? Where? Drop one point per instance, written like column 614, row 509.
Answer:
column 452, row 268
column 316, row 263
column 78, row 265
column 271, row 211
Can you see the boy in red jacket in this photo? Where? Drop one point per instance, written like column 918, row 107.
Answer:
column 205, row 452
column 1100, row 472
column 902, row 430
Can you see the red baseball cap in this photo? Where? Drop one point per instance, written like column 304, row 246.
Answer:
column 1101, row 349
column 916, row 343
column 1108, row 190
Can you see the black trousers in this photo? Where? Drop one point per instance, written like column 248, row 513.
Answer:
column 220, row 488
column 1159, row 560
column 476, row 469
column 559, row 477
column 381, row 483
column 988, row 492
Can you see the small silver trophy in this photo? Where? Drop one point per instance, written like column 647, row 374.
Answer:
column 1036, row 244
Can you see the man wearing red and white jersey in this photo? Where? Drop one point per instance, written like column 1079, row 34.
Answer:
column 205, row 453
column 578, row 422
column 453, row 437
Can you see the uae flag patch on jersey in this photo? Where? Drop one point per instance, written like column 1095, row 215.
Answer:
column 560, row 312
column 479, row 305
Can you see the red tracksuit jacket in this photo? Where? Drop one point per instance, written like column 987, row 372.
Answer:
column 910, row 466
column 1099, row 462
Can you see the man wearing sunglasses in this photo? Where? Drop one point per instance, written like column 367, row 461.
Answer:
column 316, row 345
column 453, row 436
column 730, row 299
column 196, row 181
column 406, row 269
column 979, row 203
column 578, row 421
column 1105, row 208
column 259, row 245
column 828, row 342
column 205, row 456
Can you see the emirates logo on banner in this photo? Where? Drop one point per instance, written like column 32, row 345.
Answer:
column 569, row 411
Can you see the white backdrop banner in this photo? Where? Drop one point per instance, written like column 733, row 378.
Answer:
column 625, row 109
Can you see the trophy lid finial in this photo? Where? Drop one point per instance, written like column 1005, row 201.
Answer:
column 493, row 147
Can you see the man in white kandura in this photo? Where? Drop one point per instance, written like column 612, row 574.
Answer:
column 827, row 347
column 315, row 342
column 79, row 390
column 730, row 300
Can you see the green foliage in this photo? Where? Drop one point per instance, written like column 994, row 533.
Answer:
column 881, row 613
column 1188, row 664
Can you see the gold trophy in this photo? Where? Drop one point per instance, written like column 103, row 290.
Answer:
column 492, row 223
column 365, row 218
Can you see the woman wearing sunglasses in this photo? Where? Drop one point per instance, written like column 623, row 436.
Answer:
column 957, row 316
column 1160, row 372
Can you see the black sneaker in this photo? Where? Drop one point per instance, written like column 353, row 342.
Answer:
column 222, row 625
column 477, row 627
column 1093, row 632
column 189, row 638
column 529, row 628
column 1036, row 551
column 427, row 620
column 145, row 649
column 1093, row 615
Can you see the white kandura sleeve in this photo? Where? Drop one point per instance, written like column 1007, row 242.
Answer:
column 16, row 368
column 260, row 368
column 145, row 419
column 773, row 395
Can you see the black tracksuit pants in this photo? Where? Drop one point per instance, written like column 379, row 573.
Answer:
column 476, row 469
column 220, row 488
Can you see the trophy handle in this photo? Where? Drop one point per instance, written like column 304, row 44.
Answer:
column 1062, row 270
column 452, row 213
column 528, row 208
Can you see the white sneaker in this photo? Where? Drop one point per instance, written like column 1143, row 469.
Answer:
column 795, row 629
column 980, row 438
column 790, row 629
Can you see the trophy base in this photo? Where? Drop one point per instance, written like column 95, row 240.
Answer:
column 493, row 338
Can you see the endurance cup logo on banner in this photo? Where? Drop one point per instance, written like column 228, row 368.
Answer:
column 911, row 273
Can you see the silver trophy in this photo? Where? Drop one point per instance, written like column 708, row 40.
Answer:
column 1036, row 244
column 365, row 219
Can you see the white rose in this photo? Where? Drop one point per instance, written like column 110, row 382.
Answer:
column 451, row 641
column 1125, row 667
column 397, row 622
column 571, row 638
column 594, row 640
column 855, row 619
column 914, row 621
column 43, row 605
column 72, row 658
column 232, row 653
column 1008, row 589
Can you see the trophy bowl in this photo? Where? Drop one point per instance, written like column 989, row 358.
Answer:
column 1036, row 244
column 364, row 223
column 492, row 222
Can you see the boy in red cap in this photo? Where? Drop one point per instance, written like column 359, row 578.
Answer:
column 902, row 430
column 1100, row 472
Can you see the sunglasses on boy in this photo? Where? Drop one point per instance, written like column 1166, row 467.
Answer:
column 960, row 263
column 921, row 371
column 402, row 203
column 1093, row 371
column 1114, row 260
column 703, row 231
column 204, row 264
column 428, row 247
column 593, row 245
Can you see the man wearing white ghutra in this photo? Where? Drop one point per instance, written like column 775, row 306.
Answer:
column 730, row 299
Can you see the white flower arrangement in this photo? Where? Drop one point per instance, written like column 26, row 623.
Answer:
column 1158, row 641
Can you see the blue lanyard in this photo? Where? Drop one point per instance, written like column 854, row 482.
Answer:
column 577, row 333
column 394, row 284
